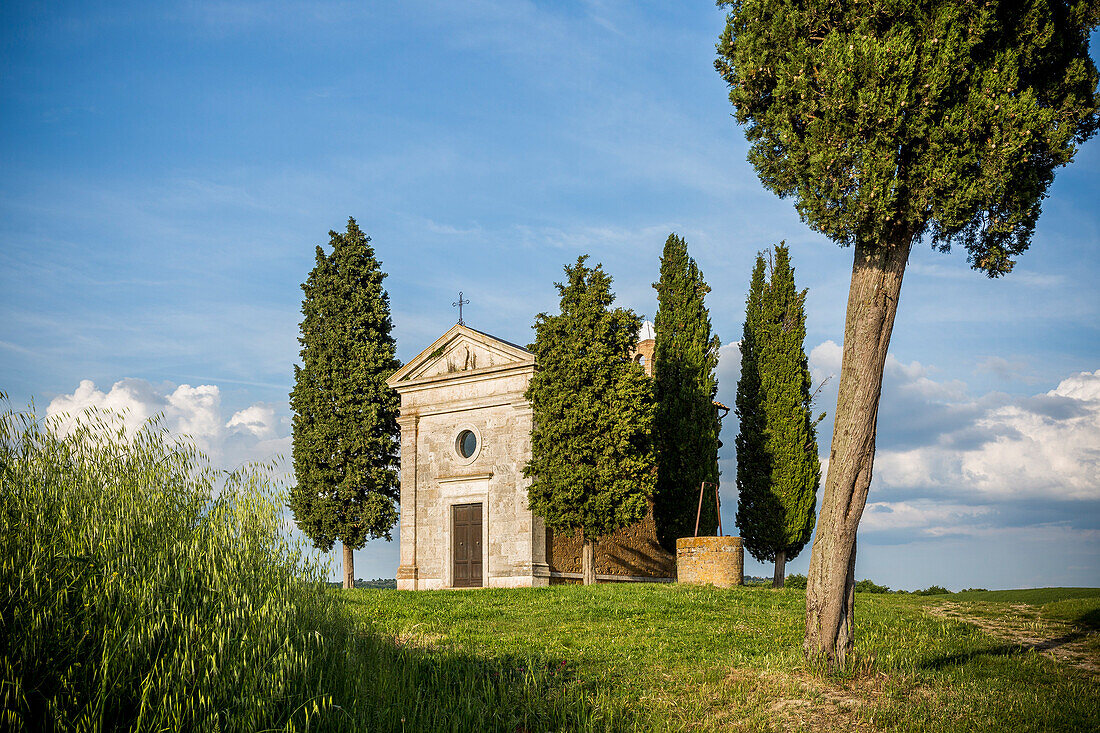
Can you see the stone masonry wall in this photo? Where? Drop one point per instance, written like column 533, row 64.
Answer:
column 644, row 350
column 630, row 552
column 716, row 561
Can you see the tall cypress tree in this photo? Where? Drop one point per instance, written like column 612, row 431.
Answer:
column 778, row 470
column 756, row 504
column 591, row 466
column 345, row 416
column 685, row 428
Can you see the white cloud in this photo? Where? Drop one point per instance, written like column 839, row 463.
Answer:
column 931, row 517
column 729, row 372
column 825, row 361
column 258, row 419
column 133, row 401
column 196, row 412
column 1081, row 386
column 729, row 363
column 913, row 378
column 1043, row 446
column 936, row 438
column 251, row 434
column 1055, row 532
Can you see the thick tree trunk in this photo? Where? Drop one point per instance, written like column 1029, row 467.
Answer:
column 780, row 570
column 588, row 562
column 349, row 568
column 830, row 590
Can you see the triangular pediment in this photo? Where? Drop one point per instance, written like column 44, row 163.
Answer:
column 461, row 350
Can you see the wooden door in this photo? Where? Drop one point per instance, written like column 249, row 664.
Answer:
column 466, row 534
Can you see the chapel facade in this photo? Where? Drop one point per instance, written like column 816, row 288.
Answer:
column 465, row 438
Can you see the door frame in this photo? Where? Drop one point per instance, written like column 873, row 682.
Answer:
column 464, row 490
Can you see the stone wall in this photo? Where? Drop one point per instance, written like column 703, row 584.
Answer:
column 716, row 561
column 629, row 553
column 643, row 354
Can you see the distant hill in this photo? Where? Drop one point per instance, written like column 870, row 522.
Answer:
column 382, row 583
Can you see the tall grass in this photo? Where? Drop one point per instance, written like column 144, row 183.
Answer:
column 140, row 588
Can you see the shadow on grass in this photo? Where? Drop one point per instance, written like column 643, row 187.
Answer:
column 1047, row 645
column 958, row 659
column 410, row 687
column 1003, row 650
column 1089, row 620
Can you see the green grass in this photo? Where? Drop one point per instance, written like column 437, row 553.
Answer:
column 682, row 658
column 1082, row 613
column 1070, row 613
column 1029, row 596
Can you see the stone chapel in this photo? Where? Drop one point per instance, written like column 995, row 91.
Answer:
column 465, row 438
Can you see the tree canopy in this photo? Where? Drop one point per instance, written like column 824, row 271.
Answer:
column 344, row 428
column 897, row 118
column 685, row 428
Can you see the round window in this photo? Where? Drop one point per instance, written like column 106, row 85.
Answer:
column 466, row 443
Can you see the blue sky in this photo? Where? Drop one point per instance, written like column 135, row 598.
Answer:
column 169, row 168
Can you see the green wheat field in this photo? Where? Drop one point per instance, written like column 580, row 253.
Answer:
column 142, row 590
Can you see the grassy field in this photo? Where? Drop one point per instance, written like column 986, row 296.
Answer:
column 142, row 590
column 651, row 657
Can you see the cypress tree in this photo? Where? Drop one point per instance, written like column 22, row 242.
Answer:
column 345, row 429
column 685, row 427
column 756, row 505
column 886, row 123
column 592, row 466
column 778, row 471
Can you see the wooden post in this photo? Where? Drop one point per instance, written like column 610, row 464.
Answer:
column 699, row 511
column 718, row 503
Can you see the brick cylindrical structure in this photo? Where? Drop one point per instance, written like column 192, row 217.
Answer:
column 718, row 561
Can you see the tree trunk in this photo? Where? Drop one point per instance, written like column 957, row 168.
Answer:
column 349, row 568
column 830, row 591
column 588, row 562
column 780, row 569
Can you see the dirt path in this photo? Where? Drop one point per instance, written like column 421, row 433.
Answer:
column 1021, row 624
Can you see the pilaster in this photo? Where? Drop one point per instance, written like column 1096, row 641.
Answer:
column 408, row 572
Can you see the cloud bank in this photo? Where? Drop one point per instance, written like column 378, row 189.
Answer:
column 254, row 433
column 1045, row 446
column 950, row 462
